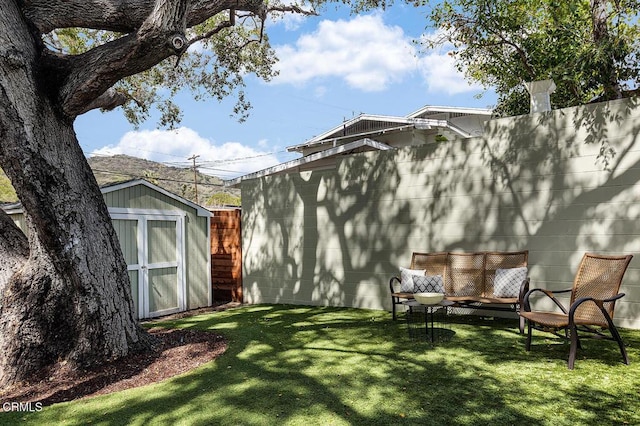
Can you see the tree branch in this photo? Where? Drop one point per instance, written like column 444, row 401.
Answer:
column 221, row 26
column 91, row 74
column 124, row 16
column 154, row 30
column 109, row 100
column 462, row 24
column 292, row 9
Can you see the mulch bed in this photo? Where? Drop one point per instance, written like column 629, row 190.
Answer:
column 177, row 351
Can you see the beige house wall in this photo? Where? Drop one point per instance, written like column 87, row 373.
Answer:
column 536, row 182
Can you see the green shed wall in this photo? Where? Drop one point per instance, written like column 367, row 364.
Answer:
column 196, row 236
column 18, row 219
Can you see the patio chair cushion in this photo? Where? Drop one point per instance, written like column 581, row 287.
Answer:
column 428, row 284
column 406, row 278
column 507, row 282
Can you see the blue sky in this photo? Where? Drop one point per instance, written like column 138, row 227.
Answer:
column 332, row 67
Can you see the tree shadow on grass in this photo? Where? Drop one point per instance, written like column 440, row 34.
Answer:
column 295, row 365
column 301, row 365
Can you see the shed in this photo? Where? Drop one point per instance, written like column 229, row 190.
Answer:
column 165, row 240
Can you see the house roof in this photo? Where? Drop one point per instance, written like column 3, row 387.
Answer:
column 105, row 189
column 337, row 150
column 362, row 130
column 451, row 112
column 368, row 125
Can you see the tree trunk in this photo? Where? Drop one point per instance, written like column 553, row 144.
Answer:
column 14, row 249
column 70, row 299
column 602, row 37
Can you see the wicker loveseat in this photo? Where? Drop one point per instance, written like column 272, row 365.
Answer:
column 468, row 279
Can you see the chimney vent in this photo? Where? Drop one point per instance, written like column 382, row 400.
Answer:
column 540, row 92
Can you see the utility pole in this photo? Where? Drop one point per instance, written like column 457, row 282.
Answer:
column 195, row 174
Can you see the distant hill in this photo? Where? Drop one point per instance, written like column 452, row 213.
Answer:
column 119, row 168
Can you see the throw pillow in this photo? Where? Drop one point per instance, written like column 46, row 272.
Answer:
column 406, row 278
column 507, row 281
column 428, row 284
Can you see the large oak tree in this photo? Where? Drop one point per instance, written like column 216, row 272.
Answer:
column 64, row 292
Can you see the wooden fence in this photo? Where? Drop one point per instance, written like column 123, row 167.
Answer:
column 226, row 255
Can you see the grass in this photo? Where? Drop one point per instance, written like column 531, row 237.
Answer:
column 295, row 365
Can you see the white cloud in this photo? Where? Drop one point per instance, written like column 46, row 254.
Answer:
column 364, row 52
column 368, row 55
column 228, row 160
column 438, row 70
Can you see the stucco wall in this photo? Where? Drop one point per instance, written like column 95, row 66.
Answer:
column 531, row 182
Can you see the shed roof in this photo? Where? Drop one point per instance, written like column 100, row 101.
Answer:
column 105, row 189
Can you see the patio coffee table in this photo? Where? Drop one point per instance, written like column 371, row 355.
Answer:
column 428, row 321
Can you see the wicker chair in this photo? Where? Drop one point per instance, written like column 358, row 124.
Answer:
column 593, row 296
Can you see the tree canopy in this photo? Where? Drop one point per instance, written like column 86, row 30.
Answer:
column 65, row 293
column 588, row 47
column 223, row 42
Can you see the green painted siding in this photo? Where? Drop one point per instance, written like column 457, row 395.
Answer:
column 127, row 231
column 162, row 289
column 535, row 182
column 18, row 219
column 133, row 279
column 142, row 197
column 198, row 253
column 161, row 241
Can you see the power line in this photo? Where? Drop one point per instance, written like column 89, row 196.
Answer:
column 241, row 159
column 184, row 164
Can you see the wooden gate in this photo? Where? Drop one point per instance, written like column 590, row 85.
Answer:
column 226, row 255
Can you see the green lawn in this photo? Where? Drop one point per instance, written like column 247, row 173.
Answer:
column 298, row 365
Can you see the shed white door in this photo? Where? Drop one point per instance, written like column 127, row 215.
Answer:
column 153, row 246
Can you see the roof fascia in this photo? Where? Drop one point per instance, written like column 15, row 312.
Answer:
column 14, row 208
column 322, row 138
column 459, row 110
column 363, row 117
column 413, row 123
column 201, row 211
column 310, row 159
